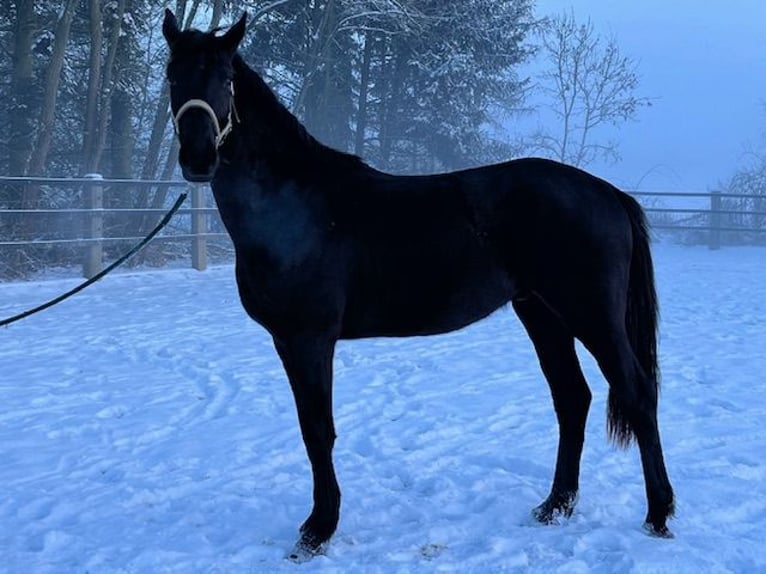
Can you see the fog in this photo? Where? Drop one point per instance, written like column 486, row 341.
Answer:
column 704, row 65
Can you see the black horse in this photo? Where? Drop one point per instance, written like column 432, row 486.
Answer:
column 329, row 248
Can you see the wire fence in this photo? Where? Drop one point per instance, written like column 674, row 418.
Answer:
column 69, row 224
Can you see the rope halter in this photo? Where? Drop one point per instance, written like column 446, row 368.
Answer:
column 220, row 134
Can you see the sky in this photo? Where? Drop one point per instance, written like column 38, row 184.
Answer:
column 704, row 66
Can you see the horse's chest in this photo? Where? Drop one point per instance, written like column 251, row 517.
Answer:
column 282, row 299
column 278, row 226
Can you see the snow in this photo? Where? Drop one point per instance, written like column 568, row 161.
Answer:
column 146, row 426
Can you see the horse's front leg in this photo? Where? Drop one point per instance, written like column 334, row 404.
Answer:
column 308, row 362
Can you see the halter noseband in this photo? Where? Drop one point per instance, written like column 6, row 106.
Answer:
column 220, row 134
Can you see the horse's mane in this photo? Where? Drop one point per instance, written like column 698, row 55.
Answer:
column 284, row 134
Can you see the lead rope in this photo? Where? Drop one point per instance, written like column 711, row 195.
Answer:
column 219, row 138
column 136, row 248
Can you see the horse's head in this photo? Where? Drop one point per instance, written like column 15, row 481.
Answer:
column 200, row 74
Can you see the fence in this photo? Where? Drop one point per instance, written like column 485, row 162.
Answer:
column 739, row 216
column 92, row 219
column 89, row 219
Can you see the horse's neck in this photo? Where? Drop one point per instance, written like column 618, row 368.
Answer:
column 271, row 137
column 267, row 131
column 260, row 188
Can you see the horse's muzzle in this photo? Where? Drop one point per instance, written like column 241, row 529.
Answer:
column 200, row 165
column 196, row 176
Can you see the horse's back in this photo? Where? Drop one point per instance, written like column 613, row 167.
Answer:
column 435, row 253
column 529, row 193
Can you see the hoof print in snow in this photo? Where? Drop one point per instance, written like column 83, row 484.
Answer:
column 432, row 551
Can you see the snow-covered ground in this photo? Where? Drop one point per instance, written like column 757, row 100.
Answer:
column 146, row 427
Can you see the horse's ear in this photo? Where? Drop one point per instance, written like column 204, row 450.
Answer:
column 170, row 27
column 231, row 39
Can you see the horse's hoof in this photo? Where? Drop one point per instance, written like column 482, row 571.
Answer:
column 658, row 531
column 305, row 549
column 554, row 508
column 543, row 514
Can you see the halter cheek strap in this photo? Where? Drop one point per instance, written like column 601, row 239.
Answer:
column 220, row 134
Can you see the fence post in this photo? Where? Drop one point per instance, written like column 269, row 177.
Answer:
column 714, row 241
column 198, row 228
column 93, row 200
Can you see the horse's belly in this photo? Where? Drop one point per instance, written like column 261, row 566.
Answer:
column 424, row 303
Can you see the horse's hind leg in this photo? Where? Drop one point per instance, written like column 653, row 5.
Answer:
column 571, row 398
column 633, row 413
column 308, row 363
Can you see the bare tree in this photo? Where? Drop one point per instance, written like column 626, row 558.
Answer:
column 590, row 84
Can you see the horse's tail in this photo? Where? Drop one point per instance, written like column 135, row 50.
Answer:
column 641, row 320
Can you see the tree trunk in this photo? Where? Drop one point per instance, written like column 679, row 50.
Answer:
column 107, row 82
column 121, row 108
column 394, row 79
column 20, row 114
column 22, row 87
column 161, row 116
column 327, row 99
column 215, row 19
column 90, row 135
column 361, row 108
column 192, row 14
column 48, row 111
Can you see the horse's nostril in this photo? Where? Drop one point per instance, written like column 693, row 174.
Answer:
column 198, row 162
column 195, row 169
column 196, row 176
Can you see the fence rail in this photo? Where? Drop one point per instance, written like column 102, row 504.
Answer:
column 721, row 214
column 94, row 212
column 93, row 217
